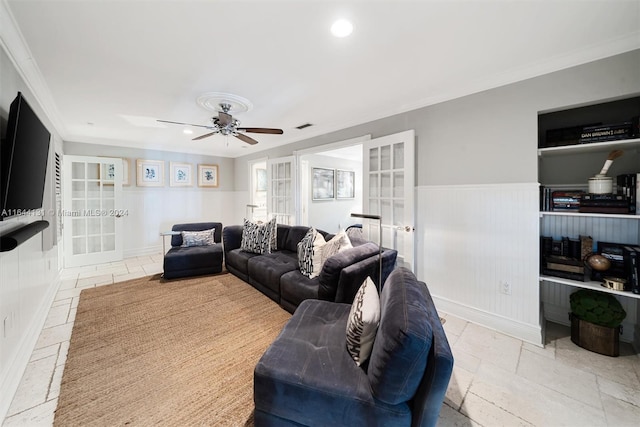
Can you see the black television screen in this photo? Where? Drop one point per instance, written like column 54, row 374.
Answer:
column 23, row 167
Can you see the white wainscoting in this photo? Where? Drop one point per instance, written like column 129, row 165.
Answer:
column 471, row 239
column 151, row 211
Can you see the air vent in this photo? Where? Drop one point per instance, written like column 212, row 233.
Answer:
column 306, row 125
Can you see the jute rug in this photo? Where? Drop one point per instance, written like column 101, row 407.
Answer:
column 176, row 353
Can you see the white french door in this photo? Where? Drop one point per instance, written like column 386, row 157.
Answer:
column 281, row 190
column 389, row 180
column 92, row 210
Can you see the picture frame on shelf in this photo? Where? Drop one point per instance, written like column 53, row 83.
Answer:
column 208, row 176
column 322, row 184
column 150, row 173
column 345, row 184
column 180, row 174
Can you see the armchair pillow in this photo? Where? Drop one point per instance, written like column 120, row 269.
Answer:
column 310, row 253
column 338, row 243
column 198, row 238
column 259, row 238
column 363, row 321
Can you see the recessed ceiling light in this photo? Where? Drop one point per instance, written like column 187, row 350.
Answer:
column 187, row 131
column 341, row 28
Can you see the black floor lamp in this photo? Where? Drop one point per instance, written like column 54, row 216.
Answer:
column 379, row 219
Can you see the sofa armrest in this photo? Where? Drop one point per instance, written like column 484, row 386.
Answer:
column 232, row 237
column 330, row 274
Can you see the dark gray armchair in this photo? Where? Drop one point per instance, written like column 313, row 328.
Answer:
column 181, row 261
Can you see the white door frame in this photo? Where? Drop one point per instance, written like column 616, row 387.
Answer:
column 301, row 213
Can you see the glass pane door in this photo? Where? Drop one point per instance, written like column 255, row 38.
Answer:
column 281, row 193
column 91, row 210
column 389, row 189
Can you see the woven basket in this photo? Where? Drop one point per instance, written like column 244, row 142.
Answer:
column 596, row 338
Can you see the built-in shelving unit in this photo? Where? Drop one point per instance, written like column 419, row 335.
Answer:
column 564, row 166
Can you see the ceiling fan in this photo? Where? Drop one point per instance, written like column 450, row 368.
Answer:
column 225, row 124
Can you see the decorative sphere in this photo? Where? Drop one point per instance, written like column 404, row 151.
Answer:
column 599, row 262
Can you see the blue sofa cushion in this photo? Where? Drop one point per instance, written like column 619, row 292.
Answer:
column 307, row 376
column 399, row 356
column 267, row 269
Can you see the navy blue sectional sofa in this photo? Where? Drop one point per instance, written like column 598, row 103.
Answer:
column 307, row 377
column 278, row 275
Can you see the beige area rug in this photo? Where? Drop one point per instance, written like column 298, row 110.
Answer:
column 176, row 353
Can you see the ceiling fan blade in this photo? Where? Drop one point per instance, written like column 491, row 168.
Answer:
column 246, row 139
column 184, row 124
column 224, row 118
column 262, row 130
column 206, row 135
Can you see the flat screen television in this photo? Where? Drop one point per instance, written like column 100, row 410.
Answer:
column 23, row 165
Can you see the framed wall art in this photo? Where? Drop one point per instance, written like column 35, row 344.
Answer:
column 322, row 184
column 345, row 184
column 150, row 173
column 181, row 174
column 207, row 175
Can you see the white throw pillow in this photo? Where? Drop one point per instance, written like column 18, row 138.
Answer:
column 363, row 322
column 197, row 238
column 339, row 243
column 310, row 253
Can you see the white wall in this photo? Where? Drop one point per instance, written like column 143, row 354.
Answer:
column 28, row 274
column 332, row 214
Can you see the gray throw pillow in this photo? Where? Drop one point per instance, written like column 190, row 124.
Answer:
column 198, row 238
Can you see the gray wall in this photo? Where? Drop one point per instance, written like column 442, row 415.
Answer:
column 488, row 137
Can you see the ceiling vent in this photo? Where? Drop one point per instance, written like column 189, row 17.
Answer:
column 306, row 125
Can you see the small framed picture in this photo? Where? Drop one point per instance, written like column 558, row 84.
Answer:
column 322, row 185
column 345, row 184
column 180, row 174
column 150, row 173
column 107, row 173
column 207, row 175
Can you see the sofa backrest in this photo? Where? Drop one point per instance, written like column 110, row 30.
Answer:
column 176, row 240
column 352, row 276
column 399, row 355
column 331, row 270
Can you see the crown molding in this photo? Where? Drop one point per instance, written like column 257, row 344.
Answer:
column 14, row 45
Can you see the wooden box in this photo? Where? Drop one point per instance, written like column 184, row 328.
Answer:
column 596, row 338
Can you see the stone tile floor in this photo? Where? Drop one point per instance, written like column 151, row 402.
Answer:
column 497, row 380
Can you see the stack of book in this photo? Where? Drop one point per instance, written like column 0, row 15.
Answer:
column 610, row 132
column 604, row 203
column 564, row 257
column 629, row 185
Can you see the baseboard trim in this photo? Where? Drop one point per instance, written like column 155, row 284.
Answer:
column 14, row 370
column 523, row 331
column 145, row 251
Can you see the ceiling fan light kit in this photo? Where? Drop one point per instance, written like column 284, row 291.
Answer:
column 224, row 123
